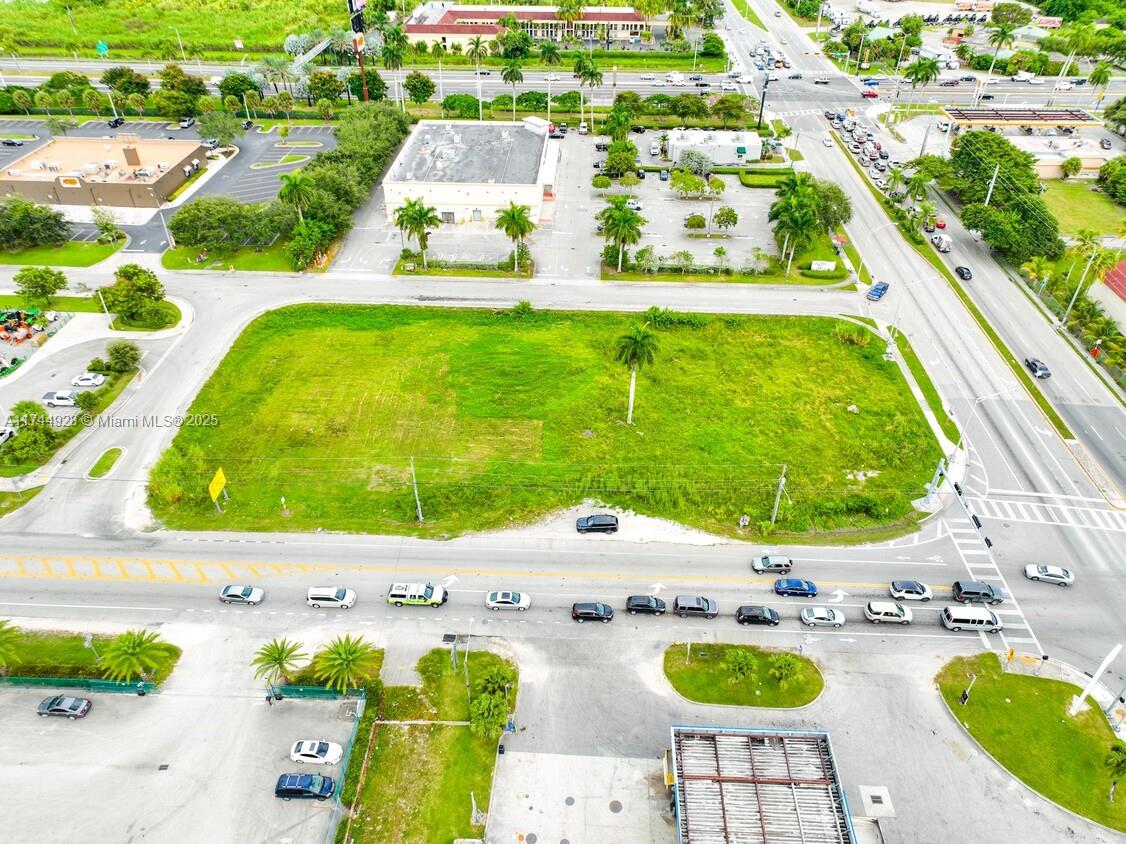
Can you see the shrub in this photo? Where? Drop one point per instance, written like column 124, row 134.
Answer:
column 122, row 356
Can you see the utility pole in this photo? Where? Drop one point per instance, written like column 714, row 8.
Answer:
column 417, row 500
column 923, row 148
column 933, row 485
column 1079, row 286
column 992, row 182
column 762, row 102
column 778, row 494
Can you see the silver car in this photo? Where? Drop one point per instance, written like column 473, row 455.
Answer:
column 889, row 611
column 508, row 601
column 1050, row 574
column 237, row 594
column 822, row 617
column 772, row 563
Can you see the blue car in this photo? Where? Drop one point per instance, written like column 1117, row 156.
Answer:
column 871, row 81
column 876, row 291
column 795, row 586
column 304, row 787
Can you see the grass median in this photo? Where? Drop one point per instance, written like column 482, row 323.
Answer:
column 700, row 675
column 510, row 415
column 934, row 400
column 1022, row 722
column 12, row 501
column 70, row 254
column 105, row 463
column 267, row 259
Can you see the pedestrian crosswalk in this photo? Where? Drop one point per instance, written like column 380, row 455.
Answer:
column 1040, row 512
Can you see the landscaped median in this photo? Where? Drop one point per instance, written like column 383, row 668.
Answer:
column 1022, row 721
column 70, row 254
column 742, row 675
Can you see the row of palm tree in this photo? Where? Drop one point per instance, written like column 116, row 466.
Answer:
column 415, row 219
column 795, row 215
column 347, row 662
column 134, row 654
column 621, row 225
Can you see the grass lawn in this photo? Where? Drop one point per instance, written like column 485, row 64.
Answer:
column 73, row 304
column 65, row 655
column 105, row 463
column 510, row 418
column 1023, row 722
column 1077, row 207
column 934, row 401
column 171, row 313
column 285, row 159
column 704, row 679
column 269, row 259
column 795, row 277
column 70, row 254
column 18, row 137
column 795, row 154
column 744, row 8
column 10, row 501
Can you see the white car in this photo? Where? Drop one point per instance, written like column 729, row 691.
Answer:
column 747, row 80
column 633, row 205
column 583, row 128
column 519, row 601
column 316, row 752
column 822, row 617
column 88, row 379
column 647, row 77
column 1050, row 574
column 728, row 86
column 826, row 142
column 59, row 398
column 552, row 77
column 239, row 594
column 994, row 80
column 660, row 84
column 890, row 611
column 1035, row 80
column 910, row 590
column 1065, row 86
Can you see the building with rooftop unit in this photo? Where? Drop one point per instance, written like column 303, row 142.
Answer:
column 452, row 24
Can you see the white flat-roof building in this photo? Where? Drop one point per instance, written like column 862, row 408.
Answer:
column 470, row 171
column 723, row 147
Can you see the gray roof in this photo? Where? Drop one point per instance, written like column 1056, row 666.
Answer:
column 491, row 153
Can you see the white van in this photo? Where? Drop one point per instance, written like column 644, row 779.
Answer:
column 583, row 128
column 655, row 148
column 959, row 618
column 330, row 596
column 942, row 242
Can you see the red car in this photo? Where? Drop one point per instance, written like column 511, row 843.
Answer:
column 869, row 94
column 939, row 222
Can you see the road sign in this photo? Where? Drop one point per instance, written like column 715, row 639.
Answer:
column 1012, row 653
column 102, row 47
column 215, row 488
column 358, row 42
column 964, row 699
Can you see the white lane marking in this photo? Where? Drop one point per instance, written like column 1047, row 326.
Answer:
column 81, row 606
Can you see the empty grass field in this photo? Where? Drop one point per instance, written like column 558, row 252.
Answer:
column 508, row 418
column 1077, row 207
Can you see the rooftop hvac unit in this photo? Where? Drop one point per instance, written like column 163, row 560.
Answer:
column 132, row 157
column 426, row 139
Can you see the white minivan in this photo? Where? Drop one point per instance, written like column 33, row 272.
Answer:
column 330, row 596
column 655, row 148
column 583, row 128
column 958, row 618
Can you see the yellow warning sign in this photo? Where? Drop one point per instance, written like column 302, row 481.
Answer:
column 215, row 488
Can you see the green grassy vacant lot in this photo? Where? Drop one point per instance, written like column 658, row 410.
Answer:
column 66, row 655
column 270, row 259
column 1077, row 207
column 509, row 418
column 704, row 679
column 1023, row 722
column 70, row 254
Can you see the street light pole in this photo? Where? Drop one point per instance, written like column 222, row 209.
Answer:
column 183, row 55
column 762, row 101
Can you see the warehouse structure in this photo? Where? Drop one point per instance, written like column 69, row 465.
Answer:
column 457, row 24
column 722, row 147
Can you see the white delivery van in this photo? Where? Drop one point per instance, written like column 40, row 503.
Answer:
column 942, row 242
column 959, row 617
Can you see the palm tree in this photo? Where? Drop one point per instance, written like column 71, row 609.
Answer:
column 917, row 184
column 296, row 190
column 346, row 663
column 65, row 99
column 581, row 62
column 549, row 53
column 516, row 223
column 927, row 209
column 277, row 659
column 621, row 225
column 133, row 654
column 274, row 69
column 9, row 641
column 512, row 75
column 634, row 350
column 1038, row 269
column 1099, row 78
column 681, row 16
column 415, row 218
column 590, row 75
column 477, row 50
column 392, row 55
column 1001, row 36
column 920, row 72
column 1087, row 240
column 1116, row 762
column 894, row 180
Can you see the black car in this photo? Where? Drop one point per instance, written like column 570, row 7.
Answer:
column 988, row 97
column 593, row 612
column 598, row 523
column 1038, row 368
column 645, row 604
column 830, row 114
column 964, row 273
column 641, row 174
column 246, row 124
column 11, row 142
column 686, row 605
column 637, row 130
column 695, row 78
column 304, row 787
column 664, row 175
column 974, row 591
column 114, row 122
column 598, row 165
column 794, row 76
column 703, row 84
column 884, row 154
column 757, row 615
column 68, row 707
column 484, row 73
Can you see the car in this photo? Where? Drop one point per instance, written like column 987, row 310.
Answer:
column 869, row 94
column 1037, row 367
column 645, row 604
column 871, row 82
column 795, row 587
column 794, row 76
column 1035, row 80
column 695, row 77
column 88, row 379
column 484, row 73
column 247, row 124
column 890, row 611
column 876, row 291
column 782, row 41
column 994, row 80
column 910, row 590
column 187, row 122
column 884, row 154
column 949, row 83
column 59, row 398
column 552, row 77
column 822, row 617
column 330, row 596
column 826, row 142
column 647, row 77
column 6, row 433
column 417, row 594
column 633, row 205
column 988, row 97
column 941, row 223
column 975, row 591
column 757, row 614
column 928, row 226
column 968, row 78
column 660, row 84
column 583, row 128
column 964, row 273
column 304, row 787
column 664, row 175
column 703, row 84
column 878, row 183
column 597, row 523
column 598, row 164
column 772, row 562
column 830, row 115
column 519, row 601
column 315, row 752
column 65, row 706
column 235, row 594
column 728, row 86
column 855, row 148
column 880, row 166
column 1105, row 143
column 114, row 122
column 637, row 130
column 1049, row 574
column 686, row 605
column 596, row 611
column 821, row 80
column 746, row 80
column 211, row 143
column 777, row 13
column 11, row 142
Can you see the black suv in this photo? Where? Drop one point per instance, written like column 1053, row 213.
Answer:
column 757, row 615
column 645, row 603
column 304, row 787
column 971, row 591
column 686, row 605
column 114, row 122
column 594, row 612
column 598, row 523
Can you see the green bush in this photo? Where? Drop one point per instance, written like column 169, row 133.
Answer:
column 372, row 704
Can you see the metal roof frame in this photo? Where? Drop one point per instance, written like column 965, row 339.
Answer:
column 1019, row 116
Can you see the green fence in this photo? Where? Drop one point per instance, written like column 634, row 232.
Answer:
column 315, row 692
column 84, row 683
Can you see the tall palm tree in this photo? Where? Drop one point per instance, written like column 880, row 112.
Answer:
column 917, row 184
column 681, row 16
column 569, row 11
column 621, row 225
column 478, row 50
column 1087, row 240
column 392, row 55
column 416, row 219
column 516, row 223
column 273, row 69
column 920, row 72
column 1038, row 269
column 636, row 349
column 512, row 75
column 277, row 659
column 9, row 641
column 133, row 654
column 1100, row 78
column 581, row 62
column 549, row 53
column 928, row 209
column 590, row 76
column 296, row 190
column 1001, row 36
column 346, row 663
column 895, row 179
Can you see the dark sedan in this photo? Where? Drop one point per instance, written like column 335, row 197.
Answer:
column 592, row 612
column 1038, row 368
column 67, row 707
column 645, row 604
column 757, row 615
column 964, row 273
column 304, row 787
column 597, row 523
column 11, row 142
column 794, row 586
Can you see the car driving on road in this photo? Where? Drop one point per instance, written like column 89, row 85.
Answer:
column 910, row 590
column 757, row 614
column 876, row 291
column 794, row 586
column 889, row 611
column 822, row 617
column 1050, row 574
column 65, row 707
column 519, row 601
column 686, row 605
column 645, row 604
column 1037, row 367
column 975, row 591
column 595, row 611
column 238, row 594
column 772, row 563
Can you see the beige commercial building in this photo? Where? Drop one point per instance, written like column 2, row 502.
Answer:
column 451, row 24
column 126, row 171
column 470, row 171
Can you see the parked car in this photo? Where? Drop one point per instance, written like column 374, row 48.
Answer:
column 975, row 591
column 645, row 604
column 88, row 379
column 59, row 398
column 211, row 143
column 597, row 523
column 304, row 787
column 11, row 142
column 247, row 124
column 640, row 174
column 583, row 128
column 757, row 614
column 772, row 563
column 794, row 76
column 314, row 752
column 890, row 611
column 964, row 273
column 793, row 586
column 187, row 122
column 822, row 617
column 1037, row 367
column 1050, row 574
column 115, row 122
column 876, row 291
column 910, row 590
column 633, row 205
column 236, row 594
column 686, row 605
column 664, row 175
column 821, row 80
column 592, row 611
column 67, row 707
column 884, row 154
column 519, row 601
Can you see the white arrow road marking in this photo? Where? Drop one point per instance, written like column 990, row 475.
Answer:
column 655, row 588
column 838, row 596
